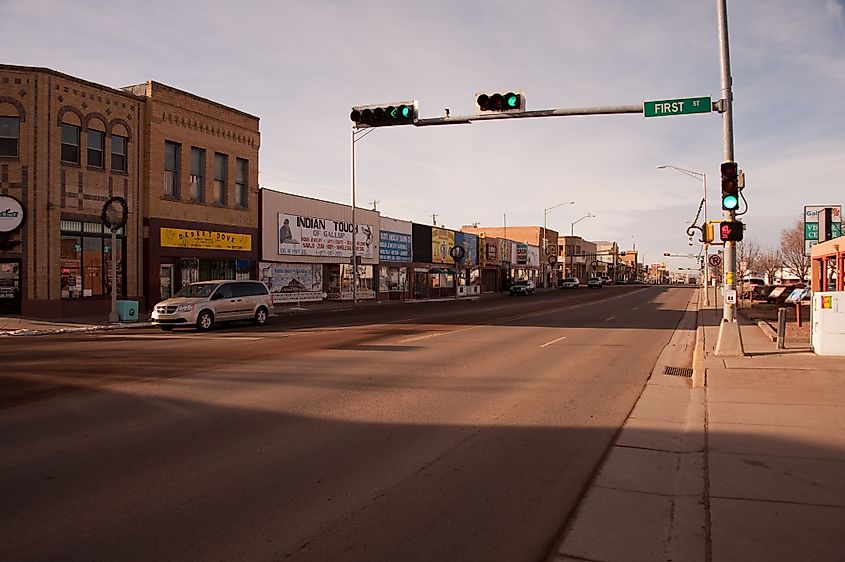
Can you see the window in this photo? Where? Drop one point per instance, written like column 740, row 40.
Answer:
column 9, row 135
column 197, row 189
column 70, row 143
column 95, row 148
column 241, row 193
column 172, row 151
column 118, row 153
column 85, row 255
column 221, row 169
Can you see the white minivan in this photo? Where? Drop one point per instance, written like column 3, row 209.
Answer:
column 204, row 303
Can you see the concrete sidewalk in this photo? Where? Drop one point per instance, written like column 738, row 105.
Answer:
column 751, row 467
column 748, row 468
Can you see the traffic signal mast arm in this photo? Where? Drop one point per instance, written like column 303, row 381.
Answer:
column 605, row 110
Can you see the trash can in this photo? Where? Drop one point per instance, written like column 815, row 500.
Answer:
column 127, row 311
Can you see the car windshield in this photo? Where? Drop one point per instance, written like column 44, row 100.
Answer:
column 569, row 280
column 521, row 283
column 197, row 290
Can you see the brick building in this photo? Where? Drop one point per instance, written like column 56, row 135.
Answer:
column 68, row 145
column 201, row 187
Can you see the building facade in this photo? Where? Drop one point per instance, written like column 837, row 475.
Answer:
column 67, row 146
column 185, row 169
column 306, row 249
column 201, row 191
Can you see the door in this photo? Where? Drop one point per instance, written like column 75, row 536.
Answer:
column 10, row 286
column 166, row 281
column 420, row 284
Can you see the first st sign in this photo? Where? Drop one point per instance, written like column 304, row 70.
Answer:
column 683, row 106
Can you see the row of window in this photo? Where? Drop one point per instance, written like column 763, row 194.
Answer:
column 197, row 181
column 95, row 149
column 96, row 158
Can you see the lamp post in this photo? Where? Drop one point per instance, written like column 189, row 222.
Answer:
column 572, row 234
column 543, row 238
column 702, row 177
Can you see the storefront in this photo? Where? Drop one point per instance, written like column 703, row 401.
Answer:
column 306, row 249
column 11, row 220
column 491, row 265
column 395, row 259
column 434, row 268
column 183, row 252
column 468, row 273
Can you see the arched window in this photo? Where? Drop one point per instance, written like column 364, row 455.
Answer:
column 96, row 137
column 71, row 125
column 119, row 148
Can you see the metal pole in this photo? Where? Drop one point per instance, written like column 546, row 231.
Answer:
column 354, row 231
column 543, row 249
column 113, row 316
column 781, row 337
column 729, row 341
column 704, row 265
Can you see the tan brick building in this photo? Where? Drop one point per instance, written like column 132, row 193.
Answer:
column 68, row 145
column 548, row 270
column 201, row 206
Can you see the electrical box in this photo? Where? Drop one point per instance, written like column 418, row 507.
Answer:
column 828, row 330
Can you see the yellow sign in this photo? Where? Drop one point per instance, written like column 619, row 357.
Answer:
column 729, row 277
column 441, row 244
column 205, row 240
column 827, row 301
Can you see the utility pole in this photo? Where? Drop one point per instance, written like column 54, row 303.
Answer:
column 434, row 219
column 729, row 342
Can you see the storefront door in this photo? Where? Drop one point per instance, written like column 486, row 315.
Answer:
column 166, row 280
column 420, row 284
column 10, row 286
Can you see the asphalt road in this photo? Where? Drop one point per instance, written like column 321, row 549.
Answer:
column 441, row 431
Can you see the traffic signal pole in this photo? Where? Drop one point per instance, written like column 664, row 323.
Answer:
column 729, row 342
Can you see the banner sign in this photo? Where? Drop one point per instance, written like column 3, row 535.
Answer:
column 491, row 251
column 505, row 253
column 205, row 240
column 469, row 242
column 313, row 236
column 394, row 246
column 292, row 282
column 441, row 242
column 533, row 256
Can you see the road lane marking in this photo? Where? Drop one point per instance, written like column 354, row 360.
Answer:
column 553, row 341
column 609, row 319
column 436, row 334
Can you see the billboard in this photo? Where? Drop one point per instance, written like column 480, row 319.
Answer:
column 314, row 236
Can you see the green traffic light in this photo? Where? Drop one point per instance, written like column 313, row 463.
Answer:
column 730, row 202
column 406, row 111
column 512, row 101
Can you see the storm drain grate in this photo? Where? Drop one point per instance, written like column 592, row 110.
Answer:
column 678, row 371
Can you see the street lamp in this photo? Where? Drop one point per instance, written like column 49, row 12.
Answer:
column 543, row 238
column 702, row 177
column 572, row 233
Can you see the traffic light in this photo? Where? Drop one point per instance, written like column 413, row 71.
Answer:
column 730, row 186
column 385, row 115
column 731, row 231
column 500, row 102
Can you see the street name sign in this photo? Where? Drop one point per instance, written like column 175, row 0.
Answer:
column 682, row 106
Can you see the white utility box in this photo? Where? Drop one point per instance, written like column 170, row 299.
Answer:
column 828, row 330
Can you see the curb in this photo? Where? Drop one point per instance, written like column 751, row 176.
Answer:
column 768, row 331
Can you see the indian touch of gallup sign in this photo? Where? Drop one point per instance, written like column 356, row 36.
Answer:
column 321, row 237
column 11, row 214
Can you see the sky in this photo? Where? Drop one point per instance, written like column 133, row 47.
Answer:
column 301, row 66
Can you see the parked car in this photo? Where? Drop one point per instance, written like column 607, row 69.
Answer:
column 606, row 281
column 204, row 303
column 594, row 283
column 522, row 288
column 570, row 283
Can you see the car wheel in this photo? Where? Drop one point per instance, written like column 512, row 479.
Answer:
column 166, row 328
column 260, row 316
column 205, row 320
